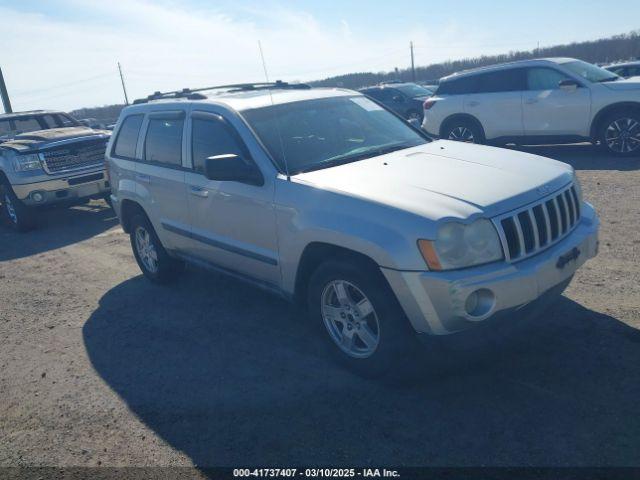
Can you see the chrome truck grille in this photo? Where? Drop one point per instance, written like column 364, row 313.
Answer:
column 534, row 228
column 75, row 156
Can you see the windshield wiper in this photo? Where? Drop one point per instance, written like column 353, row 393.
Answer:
column 353, row 157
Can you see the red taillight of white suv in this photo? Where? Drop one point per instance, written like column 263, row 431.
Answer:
column 428, row 103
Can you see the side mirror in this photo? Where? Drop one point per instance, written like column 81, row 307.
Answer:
column 232, row 168
column 568, row 85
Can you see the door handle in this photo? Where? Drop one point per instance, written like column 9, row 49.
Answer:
column 198, row 191
column 473, row 104
column 531, row 101
column 141, row 177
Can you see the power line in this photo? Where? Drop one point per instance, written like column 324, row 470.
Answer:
column 63, row 85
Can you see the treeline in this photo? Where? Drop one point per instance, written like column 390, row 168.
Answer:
column 605, row 50
column 107, row 114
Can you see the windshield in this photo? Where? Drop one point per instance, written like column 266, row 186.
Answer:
column 413, row 90
column 9, row 128
column 315, row 134
column 590, row 72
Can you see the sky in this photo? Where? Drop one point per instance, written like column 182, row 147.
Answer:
column 63, row 54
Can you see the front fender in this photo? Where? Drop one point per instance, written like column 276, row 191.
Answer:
column 384, row 234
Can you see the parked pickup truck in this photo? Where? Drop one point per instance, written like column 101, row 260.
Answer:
column 332, row 201
column 48, row 158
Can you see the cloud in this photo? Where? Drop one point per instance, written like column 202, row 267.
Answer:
column 69, row 59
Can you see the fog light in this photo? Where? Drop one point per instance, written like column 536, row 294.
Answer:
column 479, row 302
column 37, row 197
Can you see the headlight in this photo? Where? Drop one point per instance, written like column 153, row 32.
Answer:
column 577, row 186
column 458, row 245
column 23, row 163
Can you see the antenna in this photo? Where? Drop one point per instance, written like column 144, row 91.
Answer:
column 124, row 89
column 266, row 75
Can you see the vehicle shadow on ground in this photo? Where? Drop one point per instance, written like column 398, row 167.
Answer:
column 56, row 228
column 232, row 376
column 583, row 156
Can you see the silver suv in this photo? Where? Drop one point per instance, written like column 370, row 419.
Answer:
column 46, row 158
column 328, row 199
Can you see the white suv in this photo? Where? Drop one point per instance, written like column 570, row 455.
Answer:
column 554, row 100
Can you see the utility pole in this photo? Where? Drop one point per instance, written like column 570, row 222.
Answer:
column 124, row 89
column 4, row 94
column 413, row 67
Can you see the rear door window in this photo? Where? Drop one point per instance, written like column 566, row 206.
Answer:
column 163, row 143
column 127, row 140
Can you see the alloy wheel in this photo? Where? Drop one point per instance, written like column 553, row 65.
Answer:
column 461, row 134
column 623, row 135
column 350, row 319
column 11, row 210
column 146, row 249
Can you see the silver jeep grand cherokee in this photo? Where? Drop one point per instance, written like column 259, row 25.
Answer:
column 326, row 198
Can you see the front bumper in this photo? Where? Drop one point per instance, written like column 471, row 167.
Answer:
column 63, row 189
column 436, row 302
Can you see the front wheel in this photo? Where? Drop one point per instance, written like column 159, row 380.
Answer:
column 620, row 134
column 463, row 131
column 19, row 216
column 362, row 323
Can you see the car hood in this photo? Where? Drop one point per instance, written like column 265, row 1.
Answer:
column 445, row 179
column 40, row 139
column 632, row 83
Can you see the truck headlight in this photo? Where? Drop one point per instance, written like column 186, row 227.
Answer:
column 458, row 245
column 23, row 163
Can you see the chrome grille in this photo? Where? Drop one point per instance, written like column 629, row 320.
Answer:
column 74, row 157
column 529, row 230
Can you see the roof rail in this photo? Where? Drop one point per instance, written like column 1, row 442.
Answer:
column 193, row 93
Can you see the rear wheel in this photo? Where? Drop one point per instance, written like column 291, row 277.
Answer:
column 19, row 216
column 362, row 323
column 463, row 131
column 620, row 133
column 152, row 258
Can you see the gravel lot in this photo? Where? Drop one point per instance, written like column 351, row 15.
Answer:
column 100, row 367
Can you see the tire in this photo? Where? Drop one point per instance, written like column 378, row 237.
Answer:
column 463, row 131
column 619, row 133
column 17, row 215
column 360, row 319
column 152, row 258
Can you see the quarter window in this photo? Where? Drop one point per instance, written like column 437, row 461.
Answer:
column 5, row 127
column 458, row 86
column 164, row 141
column 544, row 79
column 210, row 138
column 128, row 137
column 511, row 80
